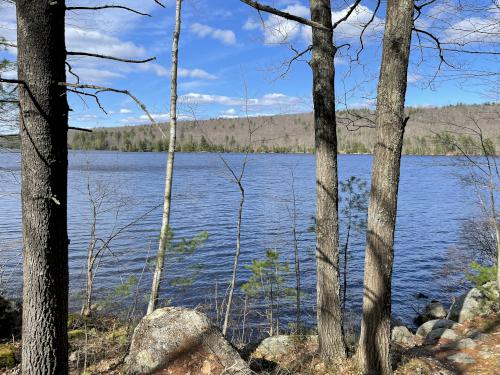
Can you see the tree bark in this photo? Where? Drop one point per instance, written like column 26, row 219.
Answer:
column 236, row 256
column 329, row 314
column 44, row 162
column 374, row 344
column 165, row 226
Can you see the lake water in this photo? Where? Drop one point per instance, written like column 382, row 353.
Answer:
column 432, row 204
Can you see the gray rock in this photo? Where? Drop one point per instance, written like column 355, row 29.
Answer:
column 461, row 357
column 184, row 339
column 431, row 325
column 465, row 344
column 477, row 336
column 435, row 310
column 275, row 347
column 442, row 333
column 485, row 354
column 478, row 301
column 402, row 335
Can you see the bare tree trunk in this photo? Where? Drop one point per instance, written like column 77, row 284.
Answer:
column 329, row 315
column 236, row 255
column 87, row 304
column 165, row 226
column 374, row 343
column 346, row 249
column 44, row 164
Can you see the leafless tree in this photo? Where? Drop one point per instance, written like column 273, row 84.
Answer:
column 160, row 259
column 374, row 343
column 329, row 314
column 105, row 202
column 483, row 173
column 43, row 128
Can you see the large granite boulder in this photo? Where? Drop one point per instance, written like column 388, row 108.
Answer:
column 478, row 301
column 181, row 341
column 435, row 324
column 402, row 336
column 276, row 347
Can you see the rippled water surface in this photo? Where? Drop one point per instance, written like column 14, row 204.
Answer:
column 432, row 205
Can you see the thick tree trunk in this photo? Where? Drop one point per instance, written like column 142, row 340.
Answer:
column 165, row 225
column 329, row 315
column 43, row 128
column 374, row 344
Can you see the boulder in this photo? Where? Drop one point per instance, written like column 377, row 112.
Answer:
column 181, row 341
column 461, row 357
column 275, row 347
column 10, row 318
column 442, row 333
column 431, row 325
column 466, row 344
column 478, row 301
column 402, row 335
column 435, row 310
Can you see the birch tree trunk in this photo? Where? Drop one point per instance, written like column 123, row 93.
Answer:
column 236, row 255
column 374, row 343
column 44, row 163
column 165, row 226
column 329, row 314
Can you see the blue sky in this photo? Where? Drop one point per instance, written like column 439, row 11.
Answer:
column 231, row 64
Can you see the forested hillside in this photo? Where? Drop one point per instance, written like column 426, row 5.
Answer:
column 429, row 131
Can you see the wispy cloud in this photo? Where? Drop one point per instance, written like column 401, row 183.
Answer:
column 224, row 36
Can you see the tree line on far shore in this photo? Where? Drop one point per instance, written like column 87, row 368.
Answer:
column 427, row 134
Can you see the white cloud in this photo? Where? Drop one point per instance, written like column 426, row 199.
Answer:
column 474, row 30
column 230, row 113
column 125, row 111
column 414, row 77
column 224, row 36
column 251, row 24
column 279, row 30
column 267, row 100
column 196, row 73
column 98, row 42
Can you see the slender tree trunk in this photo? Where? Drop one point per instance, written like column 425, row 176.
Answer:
column 346, row 248
column 44, row 164
column 329, row 314
column 87, row 303
column 374, row 344
column 236, row 259
column 165, row 225
column 494, row 220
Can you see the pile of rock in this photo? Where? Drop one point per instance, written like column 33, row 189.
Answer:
column 441, row 326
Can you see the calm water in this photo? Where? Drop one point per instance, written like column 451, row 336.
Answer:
column 432, row 205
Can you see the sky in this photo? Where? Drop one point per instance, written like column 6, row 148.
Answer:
column 233, row 62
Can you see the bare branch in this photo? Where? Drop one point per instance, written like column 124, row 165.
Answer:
column 297, row 56
column 349, row 12
column 89, row 94
column 72, row 53
column 288, row 16
column 365, row 27
column 109, row 7
column 80, row 129
column 6, row 43
column 70, row 71
column 159, row 3
column 99, row 89
column 438, row 45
